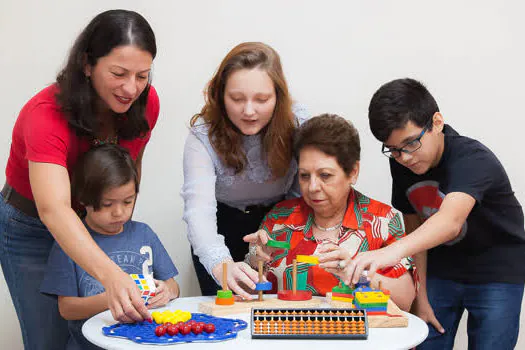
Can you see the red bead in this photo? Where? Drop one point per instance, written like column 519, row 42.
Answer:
column 173, row 330
column 160, row 331
column 209, row 328
column 185, row 330
column 196, row 329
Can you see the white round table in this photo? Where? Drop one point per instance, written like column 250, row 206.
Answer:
column 378, row 338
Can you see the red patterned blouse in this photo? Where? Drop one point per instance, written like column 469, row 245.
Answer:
column 367, row 225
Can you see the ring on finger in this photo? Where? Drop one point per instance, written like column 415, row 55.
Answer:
column 341, row 265
column 253, row 250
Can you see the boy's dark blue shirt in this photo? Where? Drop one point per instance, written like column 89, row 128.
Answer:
column 491, row 245
column 137, row 249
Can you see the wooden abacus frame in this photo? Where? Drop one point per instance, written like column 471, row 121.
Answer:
column 305, row 323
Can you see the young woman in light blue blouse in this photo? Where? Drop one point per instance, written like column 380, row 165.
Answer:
column 237, row 162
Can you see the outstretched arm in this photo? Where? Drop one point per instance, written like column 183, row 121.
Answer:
column 443, row 226
column 51, row 190
column 200, row 207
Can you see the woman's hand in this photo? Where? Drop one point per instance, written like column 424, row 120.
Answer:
column 164, row 292
column 332, row 258
column 124, row 298
column 237, row 272
column 258, row 249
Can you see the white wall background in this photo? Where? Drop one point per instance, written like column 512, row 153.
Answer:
column 335, row 55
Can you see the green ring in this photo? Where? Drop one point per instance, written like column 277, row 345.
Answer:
column 343, row 290
column 224, row 294
column 277, row 244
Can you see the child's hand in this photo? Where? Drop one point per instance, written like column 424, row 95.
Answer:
column 163, row 294
column 372, row 261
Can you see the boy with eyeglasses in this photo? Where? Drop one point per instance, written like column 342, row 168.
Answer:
column 459, row 205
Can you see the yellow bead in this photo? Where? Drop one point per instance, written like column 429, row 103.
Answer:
column 156, row 316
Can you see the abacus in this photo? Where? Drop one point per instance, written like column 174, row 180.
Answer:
column 309, row 323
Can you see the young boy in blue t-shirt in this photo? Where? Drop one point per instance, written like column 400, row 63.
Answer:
column 105, row 182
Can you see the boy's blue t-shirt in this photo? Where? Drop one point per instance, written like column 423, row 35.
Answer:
column 137, row 249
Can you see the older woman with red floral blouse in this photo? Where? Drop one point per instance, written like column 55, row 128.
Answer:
column 331, row 220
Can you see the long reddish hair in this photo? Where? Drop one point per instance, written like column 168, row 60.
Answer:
column 224, row 136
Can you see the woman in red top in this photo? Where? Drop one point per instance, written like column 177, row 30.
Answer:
column 103, row 95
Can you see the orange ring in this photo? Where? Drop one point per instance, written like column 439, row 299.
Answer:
column 224, row 301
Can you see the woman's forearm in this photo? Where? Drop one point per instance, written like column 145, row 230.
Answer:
column 51, row 190
column 73, row 237
column 200, row 205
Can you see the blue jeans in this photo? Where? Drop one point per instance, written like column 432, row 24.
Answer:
column 24, row 248
column 493, row 314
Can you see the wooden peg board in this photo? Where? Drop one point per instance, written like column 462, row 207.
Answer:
column 394, row 319
column 246, row 306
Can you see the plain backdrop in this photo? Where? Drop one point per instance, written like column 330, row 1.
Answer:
column 335, row 54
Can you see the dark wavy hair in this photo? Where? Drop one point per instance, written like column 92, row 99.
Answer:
column 77, row 97
column 100, row 169
column 224, row 136
column 333, row 135
column 396, row 103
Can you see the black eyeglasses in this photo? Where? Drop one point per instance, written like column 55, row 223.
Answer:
column 409, row 147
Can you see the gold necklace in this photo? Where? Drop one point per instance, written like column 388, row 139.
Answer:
column 335, row 227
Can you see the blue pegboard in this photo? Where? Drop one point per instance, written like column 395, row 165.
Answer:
column 144, row 332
